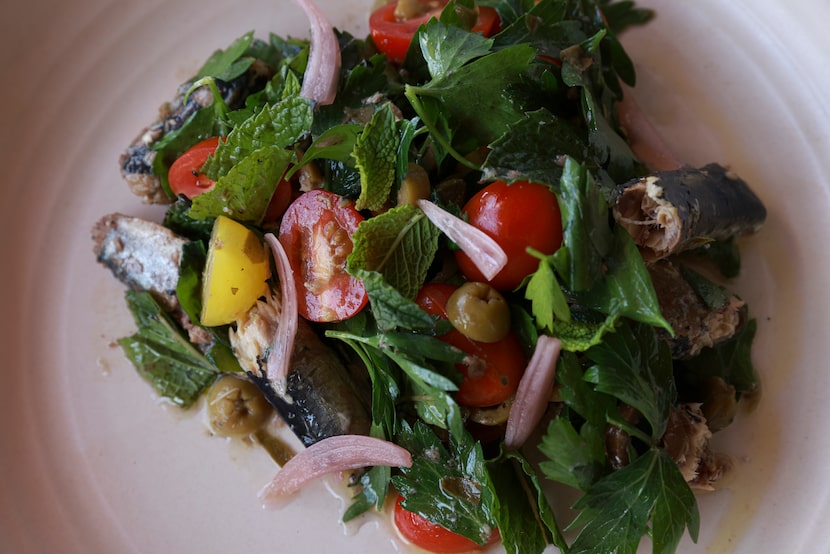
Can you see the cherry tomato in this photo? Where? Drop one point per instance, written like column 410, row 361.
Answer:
column 184, row 176
column 392, row 35
column 427, row 535
column 503, row 362
column 279, row 201
column 517, row 216
column 316, row 232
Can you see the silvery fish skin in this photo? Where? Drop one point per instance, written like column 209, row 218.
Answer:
column 668, row 212
column 137, row 161
column 143, row 255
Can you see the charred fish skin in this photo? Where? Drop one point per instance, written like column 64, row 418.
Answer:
column 136, row 162
column 141, row 254
column 320, row 400
column 668, row 212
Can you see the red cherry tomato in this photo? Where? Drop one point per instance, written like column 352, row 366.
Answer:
column 184, row 176
column 392, row 35
column 279, row 201
column 503, row 362
column 517, row 216
column 427, row 535
column 316, row 232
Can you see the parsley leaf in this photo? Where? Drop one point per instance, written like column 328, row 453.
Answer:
column 616, row 510
column 575, row 459
column 446, row 47
column 447, row 484
column 400, row 244
column 635, row 367
column 228, row 64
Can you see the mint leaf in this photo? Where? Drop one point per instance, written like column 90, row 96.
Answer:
column 245, row 191
column 574, row 459
column 189, row 286
column 376, row 157
column 447, row 485
column 162, row 355
column 616, row 510
column 635, row 367
column 391, row 309
column 446, row 47
column 279, row 125
column 400, row 244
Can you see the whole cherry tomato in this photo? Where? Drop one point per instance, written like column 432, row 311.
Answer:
column 184, row 175
column 316, row 232
column 516, row 216
column 427, row 535
column 502, row 362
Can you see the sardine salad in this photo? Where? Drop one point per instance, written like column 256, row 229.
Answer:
column 455, row 261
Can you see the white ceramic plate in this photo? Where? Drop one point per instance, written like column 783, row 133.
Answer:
column 91, row 463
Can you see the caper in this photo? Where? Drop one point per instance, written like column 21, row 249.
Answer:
column 235, row 407
column 479, row 311
column 415, row 186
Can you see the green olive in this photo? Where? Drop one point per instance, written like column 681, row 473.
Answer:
column 235, row 407
column 415, row 186
column 479, row 311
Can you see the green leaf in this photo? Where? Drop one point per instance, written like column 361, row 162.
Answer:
column 713, row 295
column 531, row 147
column 277, row 126
column 391, row 309
column 336, row 143
column 525, row 519
column 400, row 244
column 587, row 237
column 731, row 360
column 616, row 510
column 189, row 286
column 467, row 93
column 226, row 64
column 626, row 290
column 446, row 48
column 177, row 219
column 376, row 157
column 374, row 487
column 580, row 396
column 548, row 302
column 580, row 335
column 447, row 485
column 635, row 367
column 245, row 191
column 162, row 355
column 574, row 459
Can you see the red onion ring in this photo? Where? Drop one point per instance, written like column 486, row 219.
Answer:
column 483, row 251
column 332, row 455
column 534, row 392
column 283, row 343
column 322, row 73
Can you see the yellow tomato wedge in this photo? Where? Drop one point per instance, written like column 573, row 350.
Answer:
column 235, row 274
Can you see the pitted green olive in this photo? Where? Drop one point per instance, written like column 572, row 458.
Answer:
column 235, row 407
column 479, row 311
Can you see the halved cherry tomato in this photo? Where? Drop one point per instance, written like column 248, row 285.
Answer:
column 316, row 232
column 392, row 35
column 517, row 216
column 279, row 201
column 427, row 535
column 184, row 176
column 503, row 362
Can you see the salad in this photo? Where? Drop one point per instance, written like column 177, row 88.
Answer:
column 454, row 259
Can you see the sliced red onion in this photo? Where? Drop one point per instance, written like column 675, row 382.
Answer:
column 333, row 455
column 534, row 392
column 643, row 138
column 323, row 70
column 483, row 251
column 283, row 343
